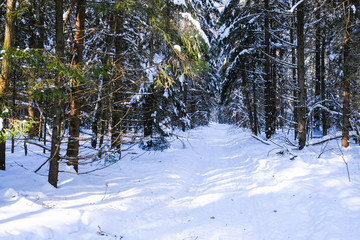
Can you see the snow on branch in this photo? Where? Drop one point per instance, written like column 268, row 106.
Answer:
column 197, row 25
column 295, row 6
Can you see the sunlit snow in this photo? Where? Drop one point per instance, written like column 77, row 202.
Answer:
column 214, row 182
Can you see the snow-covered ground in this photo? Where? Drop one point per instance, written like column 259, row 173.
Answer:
column 217, row 182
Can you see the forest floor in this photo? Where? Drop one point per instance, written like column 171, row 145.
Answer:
column 215, row 182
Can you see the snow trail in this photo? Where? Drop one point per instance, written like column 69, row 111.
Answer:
column 217, row 182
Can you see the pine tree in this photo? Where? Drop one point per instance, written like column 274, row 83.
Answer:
column 5, row 73
column 300, row 12
column 347, row 71
column 58, row 103
column 76, row 62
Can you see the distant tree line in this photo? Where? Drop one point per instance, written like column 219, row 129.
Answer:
column 291, row 64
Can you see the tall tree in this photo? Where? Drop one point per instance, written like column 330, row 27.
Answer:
column 318, row 42
column 76, row 63
column 58, row 103
column 301, row 74
column 117, row 85
column 323, row 86
column 270, row 93
column 5, row 72
column 347, row 71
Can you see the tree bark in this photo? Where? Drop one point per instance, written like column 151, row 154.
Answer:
column 34, row 128
column 346, row 75
column 294, row 75
column 5, row 71
column 56, row 133
column 149, row 99
column 245, row 90
column 117, row 97
column 323, row 87
column 301, row 76
column 75, row 95
column 255, row 112
column 318, row 42
column 269, row 86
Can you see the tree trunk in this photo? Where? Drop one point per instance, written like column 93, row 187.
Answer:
column 269, row 86
column 346, row 75
column 318, row 42
column 301, row 76
column 117, row 97
column 5, row 72
column 56, row 133
column 149, row 99
column 74, row 126
column 34, row 128
column 323, row 87
column 255, row 114
column 245, row 90
column 294, row 75
column 95, row 125
column 44, row 131
column 13, row 112
column 148, row 112
column 100, row 124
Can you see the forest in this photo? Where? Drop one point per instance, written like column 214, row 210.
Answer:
column 84, row 80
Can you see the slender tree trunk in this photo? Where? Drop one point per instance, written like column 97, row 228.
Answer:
column 95, row 125
column 100, row 124
column 323, row 88
column 117, row 97
column 269, row 88
column 149, row 99
column 245, row 90
column 318, row 42
column 255, row 114
column 301, row 76
column 346, row 74
column 274, row 95
column 34, row 127
column 44, row 131
column 5, row 72
column 294, row 76
column 32, row 45
column 74, row 126
column 13, row 112
column 41, row 20
column 56, row 133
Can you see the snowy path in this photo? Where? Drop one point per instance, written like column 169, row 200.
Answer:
column 216, row 183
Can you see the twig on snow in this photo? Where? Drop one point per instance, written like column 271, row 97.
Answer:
column 41, row 166
column 285, row 149
column 106, row 188
column 282, row 147
column 326, row 140
column 323, row 148
column 259, row 139
column 346, row 164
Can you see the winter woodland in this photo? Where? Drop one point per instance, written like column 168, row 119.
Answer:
column 180, row 119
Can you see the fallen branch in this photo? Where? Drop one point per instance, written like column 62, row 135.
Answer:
column 259, row 139
column 285, row 149
column 39, row 145
column 324, row 141
column 282, row 147
column 41, row 166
